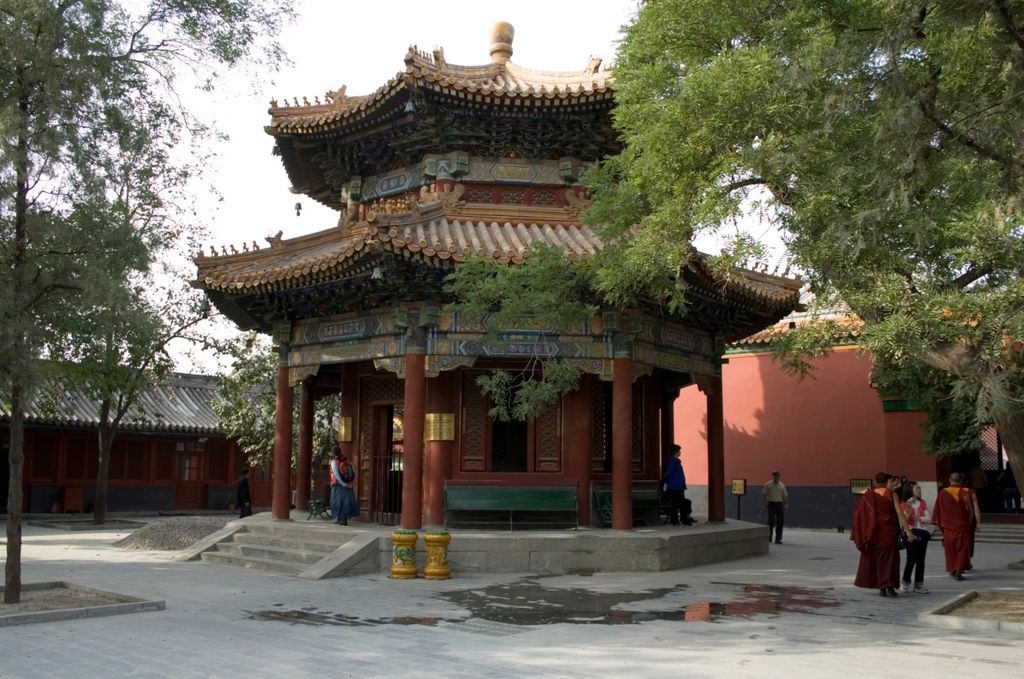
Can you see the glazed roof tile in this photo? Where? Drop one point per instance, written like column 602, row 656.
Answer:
column 444, row 239
column 807, row 315
column 502, row 80
column 182, row 404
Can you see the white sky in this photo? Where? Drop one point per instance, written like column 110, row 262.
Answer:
column 362, row 45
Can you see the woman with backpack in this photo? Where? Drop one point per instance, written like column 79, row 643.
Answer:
column 343, row 499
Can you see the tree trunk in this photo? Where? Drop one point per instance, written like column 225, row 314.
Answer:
column 106, row 435
column 1010, row 423
column 20, row 358
column 16, row 456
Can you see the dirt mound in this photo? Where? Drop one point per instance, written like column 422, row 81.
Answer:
column 173, row 533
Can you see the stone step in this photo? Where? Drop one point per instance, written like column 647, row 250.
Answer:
column 323, row 546
column 226, row 559
column 296, row 556
column 297, row 530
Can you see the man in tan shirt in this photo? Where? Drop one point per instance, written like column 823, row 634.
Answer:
column 775, row 500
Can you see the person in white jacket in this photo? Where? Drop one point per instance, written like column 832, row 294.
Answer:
column 916, row 511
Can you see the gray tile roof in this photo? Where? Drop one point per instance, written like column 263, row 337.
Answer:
column 182, row 403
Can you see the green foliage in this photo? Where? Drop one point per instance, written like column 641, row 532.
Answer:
column 246, row 405
column 536, row 300
column 90, row 186
column 884, row 137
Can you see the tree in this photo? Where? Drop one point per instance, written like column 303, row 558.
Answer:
column 86, row 85
column 884, row 137
column 543, row 296
column 118, row 354
column 246, row 405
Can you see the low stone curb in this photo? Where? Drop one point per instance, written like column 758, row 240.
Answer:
column 70, row 525
column 134, row 606
column 939, row 617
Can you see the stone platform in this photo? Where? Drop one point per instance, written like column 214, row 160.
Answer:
column 318, row 549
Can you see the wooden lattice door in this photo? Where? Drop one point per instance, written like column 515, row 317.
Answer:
column 386, row 465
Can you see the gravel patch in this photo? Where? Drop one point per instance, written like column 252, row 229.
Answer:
column 173, row 533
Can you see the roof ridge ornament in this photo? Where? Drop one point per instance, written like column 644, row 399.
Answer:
column 501, row 42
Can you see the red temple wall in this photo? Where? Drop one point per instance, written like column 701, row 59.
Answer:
column 820, row 431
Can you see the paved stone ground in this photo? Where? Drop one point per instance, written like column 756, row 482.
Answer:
column 791, row 613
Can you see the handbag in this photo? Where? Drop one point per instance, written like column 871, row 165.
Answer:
column 901, row 540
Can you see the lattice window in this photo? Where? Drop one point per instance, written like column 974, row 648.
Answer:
column 598, row 423
column 544, row 197
column 513, row 196
column 474, row 408
column 637, row 457
column 479, row 194
column 549, row 454
column 990, row 453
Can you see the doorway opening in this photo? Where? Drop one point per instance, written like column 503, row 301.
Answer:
column 387, row 464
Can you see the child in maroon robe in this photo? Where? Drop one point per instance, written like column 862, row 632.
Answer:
column 877, row 521
column 953, row 514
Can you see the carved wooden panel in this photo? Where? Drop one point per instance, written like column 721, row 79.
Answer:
column 548, row 440
column 598, row 422
column 637, row 454
column 475, row 425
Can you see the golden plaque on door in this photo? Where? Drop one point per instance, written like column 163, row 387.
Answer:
column 344, row 429
column 439, row 426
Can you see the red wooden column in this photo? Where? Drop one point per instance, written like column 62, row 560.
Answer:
column 577, row 435
column 412, row 465
column 622, row 442
column 438, row 461
column 305, row 461
column 282, row 444
column 716, row 450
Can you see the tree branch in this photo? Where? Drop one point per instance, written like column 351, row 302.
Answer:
column 1011, row 27
column 971, row 275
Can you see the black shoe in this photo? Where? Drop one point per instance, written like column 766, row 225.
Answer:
column 891, row 591
column 778, row 542
column 883, row 592
column 344, row 522
column 957, row 576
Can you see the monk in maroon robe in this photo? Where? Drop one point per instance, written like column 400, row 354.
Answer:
column 877, row 521
column 953, row 514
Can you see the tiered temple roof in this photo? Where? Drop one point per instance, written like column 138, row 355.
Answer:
column 440, row 164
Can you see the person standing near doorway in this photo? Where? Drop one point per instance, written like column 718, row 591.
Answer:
column 243, row 495
column 343, row 499
column 775, row 500
column 674, row 484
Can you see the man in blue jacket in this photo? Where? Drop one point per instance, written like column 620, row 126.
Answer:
column 674, row 483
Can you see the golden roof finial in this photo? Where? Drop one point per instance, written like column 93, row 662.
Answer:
column 501, row 42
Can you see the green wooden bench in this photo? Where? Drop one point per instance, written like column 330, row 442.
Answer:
column 511, row 507
column 648, row 506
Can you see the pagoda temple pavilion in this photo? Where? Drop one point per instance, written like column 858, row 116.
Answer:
column 440, row 164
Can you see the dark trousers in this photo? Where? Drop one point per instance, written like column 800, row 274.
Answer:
column 675, row 510
column 776, row 517
column 915, row 557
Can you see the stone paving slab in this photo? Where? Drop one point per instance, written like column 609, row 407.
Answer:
column 703, row 625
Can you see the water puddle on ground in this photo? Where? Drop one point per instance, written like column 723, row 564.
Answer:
column 529, row 602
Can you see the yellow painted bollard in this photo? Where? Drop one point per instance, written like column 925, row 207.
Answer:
column 437, row 555
column 403, row 554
